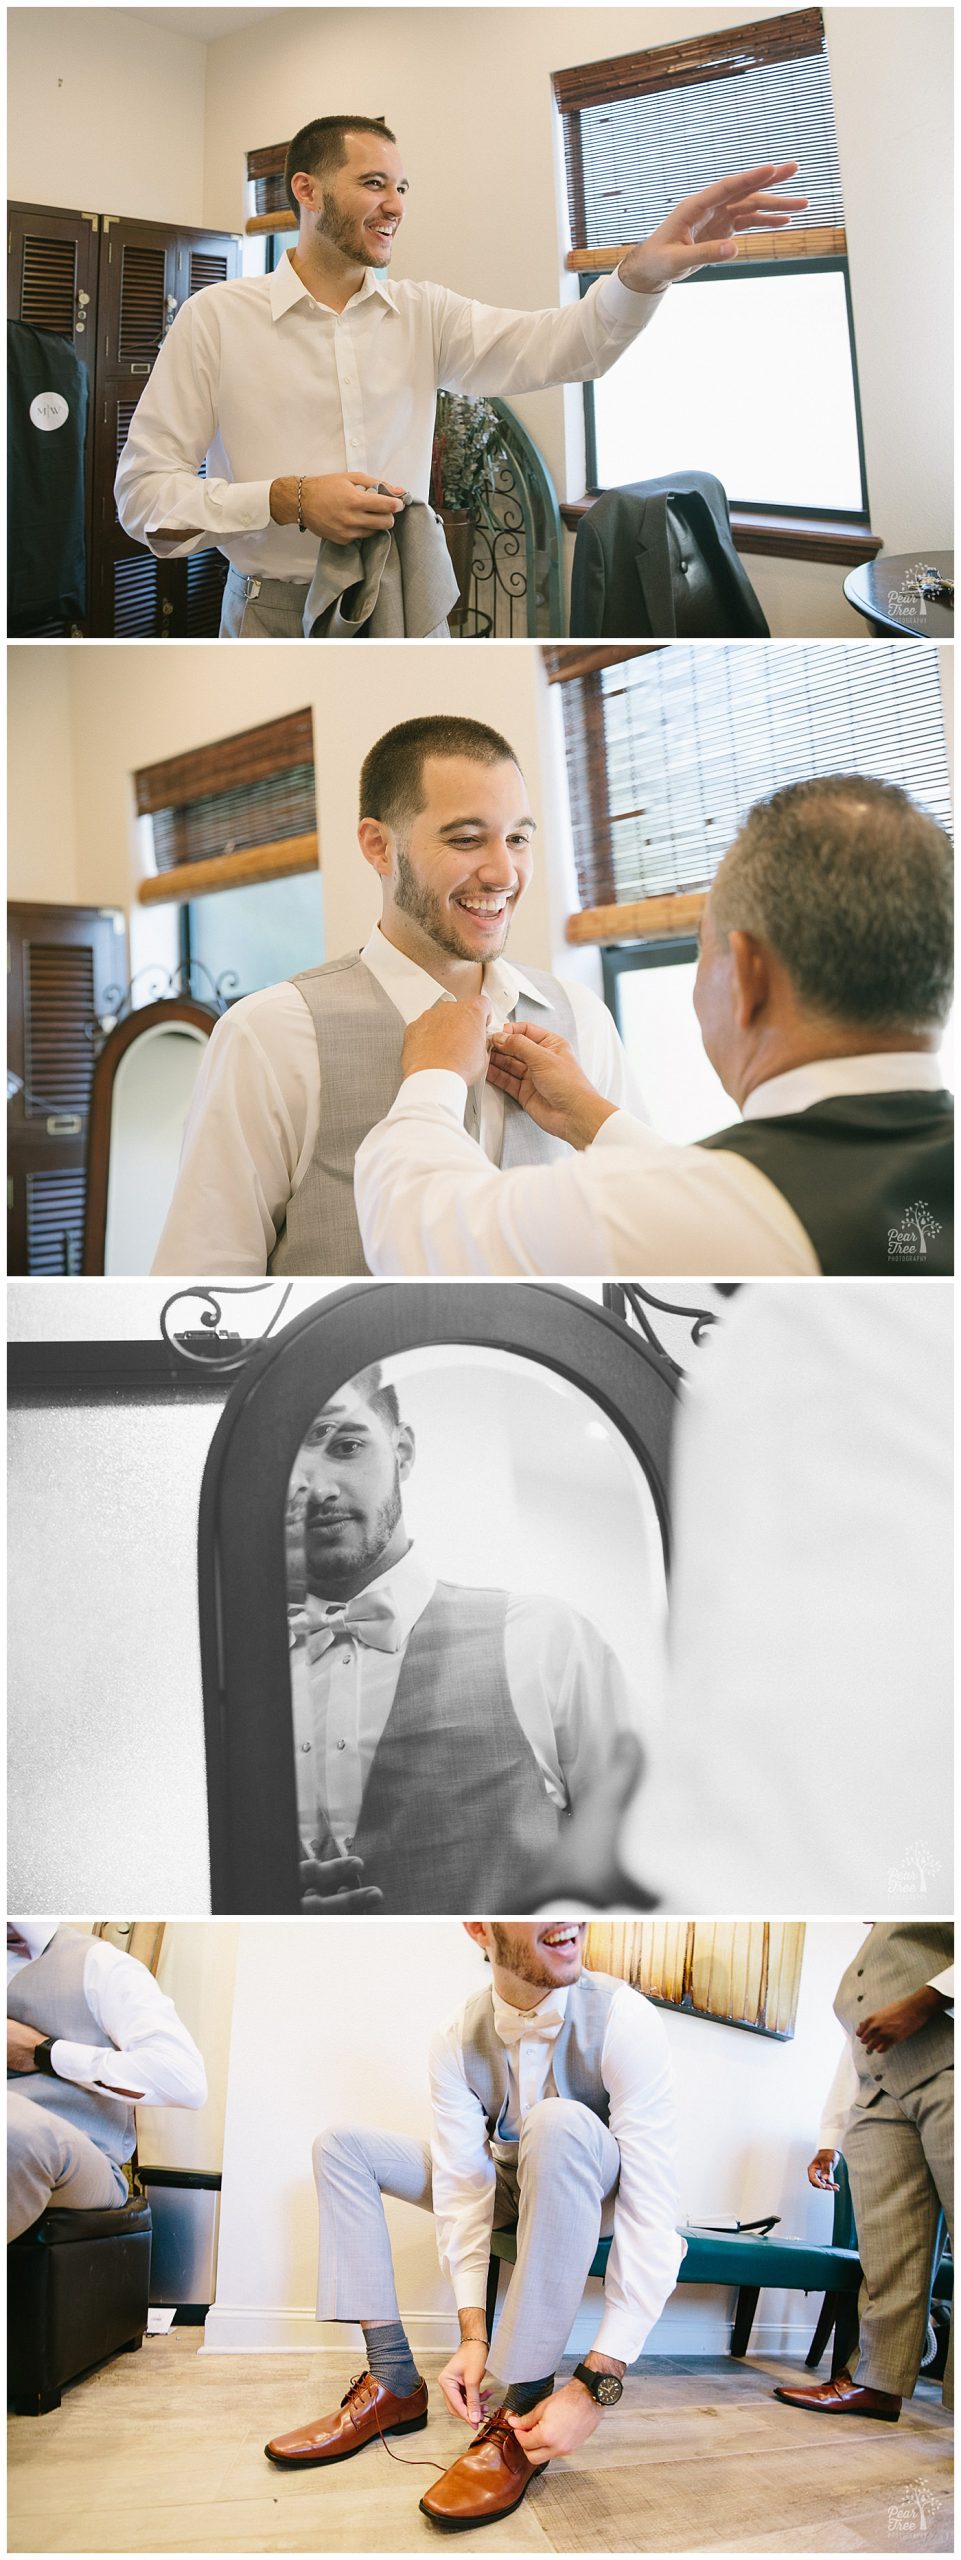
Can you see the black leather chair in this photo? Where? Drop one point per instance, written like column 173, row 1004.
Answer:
column 78, row 2286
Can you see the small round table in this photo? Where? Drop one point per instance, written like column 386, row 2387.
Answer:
column 887, row 592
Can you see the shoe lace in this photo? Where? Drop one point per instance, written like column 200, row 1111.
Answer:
column 409, row 2461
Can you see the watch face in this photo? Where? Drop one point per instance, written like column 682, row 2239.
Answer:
column 607, row 2389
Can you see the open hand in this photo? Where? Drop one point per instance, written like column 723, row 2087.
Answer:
column 452, row 1036
column 899, row 2020
column 540, row 1071
column 700, row 231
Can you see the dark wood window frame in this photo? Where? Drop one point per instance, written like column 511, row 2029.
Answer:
column 272, row 749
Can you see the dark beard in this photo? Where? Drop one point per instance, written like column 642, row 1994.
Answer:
column 426, row 910
column 518, row 1958
column 334, row 226
column 324, row 1573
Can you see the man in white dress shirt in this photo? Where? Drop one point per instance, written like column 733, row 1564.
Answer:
column 294, row 1077
column 441, row 1733
column 823, row 986
column 90, row 2036
column 890, row 2109
column 552, row 2107
column 311, row 392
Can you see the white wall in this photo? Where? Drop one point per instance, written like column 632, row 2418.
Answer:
column 352, row 2017
column 106, row 114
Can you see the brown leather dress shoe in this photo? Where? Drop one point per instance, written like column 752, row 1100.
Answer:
column 844, row 2398
column 487, row 2482
column 366, row 2410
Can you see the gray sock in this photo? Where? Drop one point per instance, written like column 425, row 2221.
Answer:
column 390, row 2358
column 522, row 2396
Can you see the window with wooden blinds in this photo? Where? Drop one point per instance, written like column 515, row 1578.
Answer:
column 227, row 815
column 667, row 752
column 644, row 129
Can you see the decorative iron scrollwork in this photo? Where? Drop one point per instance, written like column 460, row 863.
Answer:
column 157, row 985
column 630, row 1299
column 206, row 1344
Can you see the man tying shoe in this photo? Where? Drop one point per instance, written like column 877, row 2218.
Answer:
column 552, row 2107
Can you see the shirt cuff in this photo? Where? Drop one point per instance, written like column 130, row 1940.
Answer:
column 432, row 1089
column 617, row 1126
column 226, row 506
column 621, row 307
column 470, row 2284
column 83, row 2063
column 621, row 2334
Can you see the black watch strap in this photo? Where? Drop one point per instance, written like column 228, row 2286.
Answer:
column 43, row 2055
column 605, row 2388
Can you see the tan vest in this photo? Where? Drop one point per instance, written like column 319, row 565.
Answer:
column 360, row 1040
column 898, row 1957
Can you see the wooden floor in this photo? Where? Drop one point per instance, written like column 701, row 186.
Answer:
column 163, row 2451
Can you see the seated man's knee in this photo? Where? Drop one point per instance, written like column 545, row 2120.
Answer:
column 31, row 2133
column 560, row 2121
column 336, row 2146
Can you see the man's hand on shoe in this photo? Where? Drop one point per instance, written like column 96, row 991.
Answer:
column 900, row 2019
column 452, row 1036
column 461, row 2381
column 558, row 2425
column 335, row 1884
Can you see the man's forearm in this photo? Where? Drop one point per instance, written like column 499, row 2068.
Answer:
column 473, row 2326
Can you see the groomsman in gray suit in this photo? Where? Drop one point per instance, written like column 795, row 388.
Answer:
column 552, row 2107
column 442, row 1732
column 295, row 1076
column 891, row 2111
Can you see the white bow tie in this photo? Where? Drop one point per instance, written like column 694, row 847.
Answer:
column 520, row 2026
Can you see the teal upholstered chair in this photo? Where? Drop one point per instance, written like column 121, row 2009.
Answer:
column 748, row 2261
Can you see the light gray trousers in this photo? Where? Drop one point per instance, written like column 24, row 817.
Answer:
column 50, row 2162
column 900, row 2156
column 560, row 2189
column 272, row 609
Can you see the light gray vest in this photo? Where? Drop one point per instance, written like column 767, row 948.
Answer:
column 897, row 1957
column 576, row 2052
column 49, row 1996
column 360, row 1040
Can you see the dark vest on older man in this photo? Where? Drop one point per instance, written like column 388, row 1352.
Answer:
column 897, row 1957
column 869, row 1175
column 454, row 1809
column 49, row 1996
column 360, row 1040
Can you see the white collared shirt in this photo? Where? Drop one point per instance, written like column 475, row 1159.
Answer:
column 429, row 1204
column 146, row 2053
column 266, row 382
column 841, row 2102
column 646, row 2250
column 255, row 1112
column 567, row 1688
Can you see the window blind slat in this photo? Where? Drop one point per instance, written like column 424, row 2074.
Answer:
column 672, row 750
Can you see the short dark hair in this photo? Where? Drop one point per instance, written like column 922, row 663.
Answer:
column 319, row 147
column 392, row 775
column 851, row 884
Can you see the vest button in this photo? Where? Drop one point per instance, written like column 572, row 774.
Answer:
column 341, row 1746
column 305, row 1746
column 860, row 1972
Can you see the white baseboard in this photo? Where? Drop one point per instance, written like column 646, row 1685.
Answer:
column 237, row 2331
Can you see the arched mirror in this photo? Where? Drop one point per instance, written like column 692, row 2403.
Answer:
column 433, row 1554
column 142, row 1084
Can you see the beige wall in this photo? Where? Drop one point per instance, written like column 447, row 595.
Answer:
column 353, row 2022
column 106, row 114
column 41, row 784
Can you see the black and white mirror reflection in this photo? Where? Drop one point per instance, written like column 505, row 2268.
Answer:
column 476, row 1602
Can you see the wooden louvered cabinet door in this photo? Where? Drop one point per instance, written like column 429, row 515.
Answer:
column 61, row 962
column 147, row 271
column 53, row 261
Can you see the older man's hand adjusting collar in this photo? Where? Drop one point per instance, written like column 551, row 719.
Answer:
column 451, row 1036
column 700, row 231
column 540, row 1071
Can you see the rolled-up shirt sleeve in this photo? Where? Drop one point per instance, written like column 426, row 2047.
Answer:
column 646, row 2249
column 463, row 2173
column 147, row 2053
column 162, row 499
column 484, row 350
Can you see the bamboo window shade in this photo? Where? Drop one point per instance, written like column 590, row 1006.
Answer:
column 644, row 129
column 667, row 752
column 227, row 815
column 744, row 1973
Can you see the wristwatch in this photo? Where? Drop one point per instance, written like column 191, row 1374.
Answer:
column 43, row 2055
column 605, row 2388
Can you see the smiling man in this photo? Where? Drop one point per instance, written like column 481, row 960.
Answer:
column 310, row 393
column 442, row 1732
column 552, row 2109
column 294, row 1077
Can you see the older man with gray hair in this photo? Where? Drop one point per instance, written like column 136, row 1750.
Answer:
column 823, row 985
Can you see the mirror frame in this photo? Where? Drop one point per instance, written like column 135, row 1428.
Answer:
column 168, row 1009
column 251, row 1792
